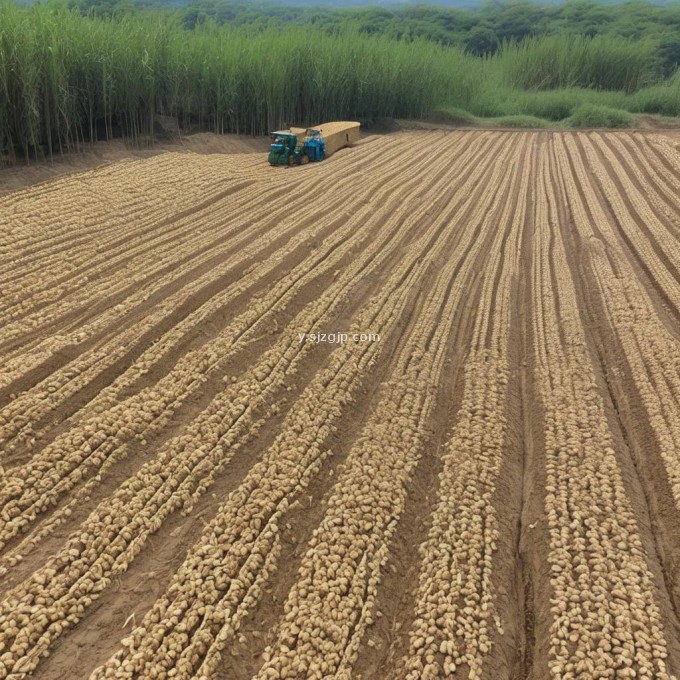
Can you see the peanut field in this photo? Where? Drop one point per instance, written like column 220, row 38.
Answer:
column 410, row 413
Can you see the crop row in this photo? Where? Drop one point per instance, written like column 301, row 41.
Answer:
column 107, row 422
column 637, row 161
column 634, row 215
column 102, row 436
column 532, row 259
column 179, row 471
column 267, row 491
column 61, row 384
column 136, row 195
column 333, row 600
column 650, row 349
column 120, row 279
column 606, row 618
column 456, row 605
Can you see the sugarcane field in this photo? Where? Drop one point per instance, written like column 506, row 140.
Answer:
column 423, row 426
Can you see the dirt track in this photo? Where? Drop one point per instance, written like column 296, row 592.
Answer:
column 484, row 485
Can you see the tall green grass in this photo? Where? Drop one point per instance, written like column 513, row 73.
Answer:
column 66, row 79
column 229, row 81
column 63, row 77
column 561, row 61
column 550, row 78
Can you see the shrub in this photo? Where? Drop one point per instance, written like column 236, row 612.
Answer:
column 663, row 99
column 597, row 116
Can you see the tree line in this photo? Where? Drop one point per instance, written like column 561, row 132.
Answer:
column 479, row 31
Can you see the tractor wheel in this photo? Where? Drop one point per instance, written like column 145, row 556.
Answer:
column 304, row 159
column 291, row 160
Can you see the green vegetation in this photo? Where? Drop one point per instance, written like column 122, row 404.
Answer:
column 479, row 31
column 67, row 79
column 452, row 116
column 594, row 116
column 69, row 76
column 482, row 30
column 561, row 61
column 663, row 98
column 516, row 121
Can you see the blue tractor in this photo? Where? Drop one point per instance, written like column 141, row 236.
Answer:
column 285, row 149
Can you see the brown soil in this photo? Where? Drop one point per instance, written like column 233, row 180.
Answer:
column 491, row 489
column 20, row 175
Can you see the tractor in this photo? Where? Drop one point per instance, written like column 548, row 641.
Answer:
column 285, row 149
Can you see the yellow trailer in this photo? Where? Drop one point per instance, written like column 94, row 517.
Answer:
column 337, row 135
